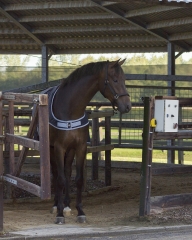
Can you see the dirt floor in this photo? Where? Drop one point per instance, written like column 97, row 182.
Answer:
column 117, row 205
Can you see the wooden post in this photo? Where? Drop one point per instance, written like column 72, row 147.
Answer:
column 1, row 165
column 44, row 148
column 146, row 172
column 108, row 152
column 11, row 144
column 95, row 142
column 171, row 92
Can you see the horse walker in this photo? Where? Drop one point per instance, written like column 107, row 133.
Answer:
column 161, row 122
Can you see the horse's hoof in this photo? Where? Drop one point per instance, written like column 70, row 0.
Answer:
column 53, row 210
column 67, row 211
column 59, row 220
column 81, row 219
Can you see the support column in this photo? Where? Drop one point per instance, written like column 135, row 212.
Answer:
column 171, row 92
column 1, row 166
column 44, row 52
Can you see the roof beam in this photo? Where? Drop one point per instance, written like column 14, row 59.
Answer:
column 111, row 50
column 66, row 17
column 18, row 41
column 74, row 29
column 148, row 10
column 72, row 41
column 169, row 23
column 120, row 39
column 156, row 2
column 180, row 36
column 48, row 5
column 85, row 29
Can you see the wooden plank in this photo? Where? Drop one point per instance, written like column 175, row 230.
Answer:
column 171, row 170
column 171, row 200
column 100, row 114
column 100, row 148
column 25, row 185
column 17, row 153
column 30, row 143
column 158, row 77
column 166, row 97
column 24, row 97
column 24, row 150
column 44, row 152
column 183, row 134
column 11, row 131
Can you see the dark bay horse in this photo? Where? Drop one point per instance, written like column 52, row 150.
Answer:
column 69, row 127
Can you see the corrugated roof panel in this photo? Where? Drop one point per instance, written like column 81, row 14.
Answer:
column 131, row 25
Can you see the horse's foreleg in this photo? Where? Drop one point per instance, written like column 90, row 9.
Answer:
column 80, row 158
column 59, row 158
column 54, row 178
column 68, row 171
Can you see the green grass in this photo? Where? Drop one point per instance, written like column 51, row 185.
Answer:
column 135, row 155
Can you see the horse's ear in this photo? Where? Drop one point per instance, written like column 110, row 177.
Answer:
column 118, row 62
column 114, row 63
column 121, row 62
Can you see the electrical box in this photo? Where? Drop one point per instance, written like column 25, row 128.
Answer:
column 166, row 115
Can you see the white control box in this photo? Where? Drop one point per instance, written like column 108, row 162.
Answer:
column 166, row 115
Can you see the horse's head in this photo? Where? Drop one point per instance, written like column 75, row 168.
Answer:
column 113, row 87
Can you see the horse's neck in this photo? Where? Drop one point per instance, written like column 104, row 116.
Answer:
column 71, row 101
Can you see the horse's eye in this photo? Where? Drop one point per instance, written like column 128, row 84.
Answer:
column 114, row 80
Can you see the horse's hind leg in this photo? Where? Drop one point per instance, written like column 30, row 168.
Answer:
column 80, row 158
column 68, row 171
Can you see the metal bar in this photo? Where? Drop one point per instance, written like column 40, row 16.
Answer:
column 44, row 152
column 44, row 64
column 108, row 152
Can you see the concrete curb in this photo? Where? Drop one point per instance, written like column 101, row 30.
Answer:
column 69, row 231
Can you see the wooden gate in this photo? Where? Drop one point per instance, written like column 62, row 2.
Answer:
column 7, row 138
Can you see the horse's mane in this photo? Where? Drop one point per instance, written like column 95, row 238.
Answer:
column 85, row 70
